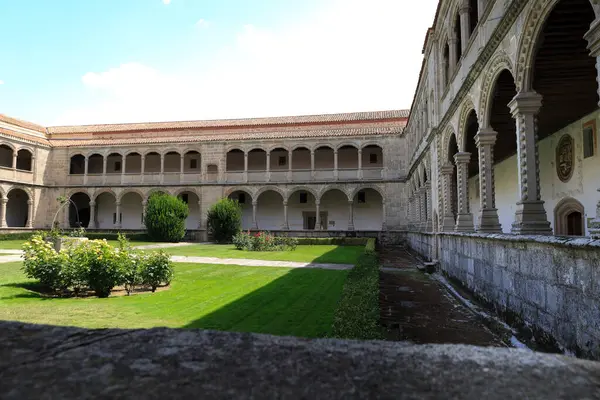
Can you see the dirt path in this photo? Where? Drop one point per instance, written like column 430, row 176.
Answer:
column 416, row 307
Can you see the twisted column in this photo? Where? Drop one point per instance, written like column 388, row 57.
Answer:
column 488, row 214
column 464, row 218
column 448, row 221
column 254, row 223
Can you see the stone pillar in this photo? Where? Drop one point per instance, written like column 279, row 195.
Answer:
column 464, row 218
column 123, row 168
column 245, row 167
column 162, row 168
column 34, row 167
column 417, row 209
column 286, row 225
column 318, row 215
column 312, row 164
column 453, row 58
column 85, row 170
column 268, row 166
column 201, row 223
column 104, row 161
column 593, row 38
column 3, row 202
column 448, row 215
column 422, row 208
column 14, row 160
column 360, row 171
column 465, row 25
column 488, row 214
column 30, row 213
column 254, row 223
column 289, row 173
column 181, row 167
column 92, row 223
column 383, row 215
column 118, row 218
column 350, row 215
column 481, row 4
column 143, row 167
column 429, row 220
column 144, row 204
column 335, row 165
column 530, row 216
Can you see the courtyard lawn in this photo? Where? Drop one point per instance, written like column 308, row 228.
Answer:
column 279, row 301
column 18, row 244
column 303, row 253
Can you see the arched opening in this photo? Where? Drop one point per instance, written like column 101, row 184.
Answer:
column 79, row 213
column 446, row 65
column 372, row 162
column 172, row 162
column 152, row 163
column 24, row 159
column 348, row 162
column 457, row 36
column 192, row 162
column 563, row 71
column 192, row 222
column 257, row 160
column 106, row 211
column 452, row 150
column 279, row 164
column 77, row 165
column 114, row 163
column 300, row 164
column 368, row 210
column 324, row 158
column 95, row 164
column 505, row 149
column 133, row 163
column 471, row 130
column 17, row 209
column 244, row 199
column 235, row 161
column 132, row 211
column 473, row 15
column 569, row 218
column 269, row 211
column 302, row 210
column 335, row 211
column 6, row 156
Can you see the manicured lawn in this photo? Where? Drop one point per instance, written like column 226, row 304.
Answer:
column 279, row 301
column 317, row 254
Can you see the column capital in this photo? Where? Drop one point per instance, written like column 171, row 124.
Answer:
column 452, row 40
column 485, row 136
column 317, row 202
column 118, row 203
column 350, row 202
column 92, row 204
column 525, row 103
column 285, row 203
column 593, row 38
column 462, row 157
column 4, row 200
column 254, row 203
column 145, row 203
column 29, row 202
column 464, row 8
column 447, row 169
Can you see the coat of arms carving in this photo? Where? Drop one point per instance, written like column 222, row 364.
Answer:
column 565, row 158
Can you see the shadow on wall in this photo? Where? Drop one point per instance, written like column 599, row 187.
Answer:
column 300, row 303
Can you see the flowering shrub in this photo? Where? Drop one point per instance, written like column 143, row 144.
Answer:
column 263, row 241
column 94, row 265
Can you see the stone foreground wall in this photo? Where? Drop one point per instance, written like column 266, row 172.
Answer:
column 71, row 363
column 550, row 282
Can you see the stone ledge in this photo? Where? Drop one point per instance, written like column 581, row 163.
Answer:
column 71, row 363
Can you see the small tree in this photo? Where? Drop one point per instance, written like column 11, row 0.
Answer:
column 165, row 218
column 224, row 220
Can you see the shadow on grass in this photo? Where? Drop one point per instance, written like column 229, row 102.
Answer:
column 300, row 303
column 340, row 255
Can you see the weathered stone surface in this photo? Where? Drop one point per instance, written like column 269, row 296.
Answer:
column 69, row 363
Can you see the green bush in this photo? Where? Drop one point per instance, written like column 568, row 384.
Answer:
column 224, row 220
column 357, row 314
column 334, row 241
column 156, row 269
column 263, row 241
column 141, row 237
column 16, row 236
column 104, row 269
column 165, row 217
column 43, row 263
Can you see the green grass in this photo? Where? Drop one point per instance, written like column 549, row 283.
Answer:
column 281, row 301
column 18, row 244
column 303, row 253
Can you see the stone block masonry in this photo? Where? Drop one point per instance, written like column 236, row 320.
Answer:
column 551, row 283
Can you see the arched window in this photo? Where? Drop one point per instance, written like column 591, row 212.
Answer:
column 569, row 218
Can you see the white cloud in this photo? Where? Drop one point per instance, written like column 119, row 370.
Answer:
column 351, row 56
column 166, row 2
column 202, row 23
column 1, row 82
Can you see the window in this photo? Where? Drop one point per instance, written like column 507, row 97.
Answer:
column 242, row 198
column 589, row 139
column 282, row 160
column 373, row 158
column 193, row 163
column 303, row 197
column 117, row 166
column 362, row 198
column 184, row 198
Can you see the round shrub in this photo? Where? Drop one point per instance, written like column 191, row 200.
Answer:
column 165, row 218
column 104, row 267
column 43, row 263
column 224, row 220
column 156, row 269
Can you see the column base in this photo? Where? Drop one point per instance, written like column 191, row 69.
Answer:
column 531, row 219
column 488, row 221
column 594, row 228
column 464, row 223
column 350, row 227
column 285, row 227
column 428, row 226
column 448, row 224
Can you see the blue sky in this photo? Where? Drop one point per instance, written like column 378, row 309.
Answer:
column 73, row 62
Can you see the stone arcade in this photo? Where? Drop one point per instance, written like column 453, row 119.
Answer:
column 493, row 173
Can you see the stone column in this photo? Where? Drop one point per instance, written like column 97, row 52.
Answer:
column 318, row 215
column 383, row 215
column 464, row 218
column 448, row 215
column 144, row 204
column 335, row 165
column 92, row 223
column 118, row 218
column 422, row 208
column 85, row 169
column 123, row 168
column 286, row 225
column 245, row 167
column 162, row 168
column 350, row 215
column 254, row 223
column 312, row 164
column 593, row 38
column 530, row 216
column 30, row 213
column 429, row 220
column 417, row 209
column 3, row 202
column 14, row 160
column 201, row 224
column 360, row 171
column 34, row 167
column 268, row 167
column 289, row 173
column 181, row 167
column 453, row 58
column 465, row 25
column 481, row 4
column 488, row 214
column 143, row 167
column 104, row 161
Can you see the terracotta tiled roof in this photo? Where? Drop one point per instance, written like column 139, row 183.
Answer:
column 22, row 124
column 24, row 136
column 250, row 122
column 226, row 136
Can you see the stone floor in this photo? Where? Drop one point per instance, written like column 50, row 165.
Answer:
column 419, row 308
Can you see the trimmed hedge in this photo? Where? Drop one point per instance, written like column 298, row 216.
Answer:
column 16, row 236
column 132, row 237
column 335, row 241
column 357, row 314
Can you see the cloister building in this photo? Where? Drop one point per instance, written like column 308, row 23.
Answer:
column 493, row 174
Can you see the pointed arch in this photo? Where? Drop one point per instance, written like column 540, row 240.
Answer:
column 499, row 63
